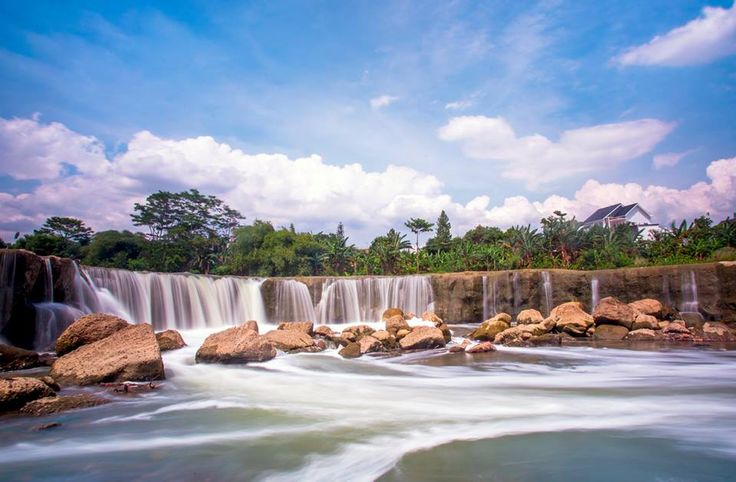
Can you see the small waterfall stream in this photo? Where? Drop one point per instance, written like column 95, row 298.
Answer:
column 689, row 288
column 595, row 296
column 547, row 285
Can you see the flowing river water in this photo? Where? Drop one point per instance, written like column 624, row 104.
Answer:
column 519, row 414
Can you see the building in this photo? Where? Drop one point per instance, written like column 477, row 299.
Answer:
column 616, row 214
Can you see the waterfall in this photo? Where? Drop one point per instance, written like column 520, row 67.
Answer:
column 594, row 294
column 362, row 300
column 181, row 301
column 689, row 289
column 490, row 297
column 49, row 281
column 516, row 291
column 547, row 284
column 293, row 302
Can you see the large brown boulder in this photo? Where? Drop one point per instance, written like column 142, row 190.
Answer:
column 422, row 338
column 570, row 318
column 612, row 311
column 130, row 354
column 306, row 327
column 648, row 306
column 17, row 391
column 14, row 358
column 610, row 332
column 526, row 317
column 432, row 317
column 88, row 329
column 718, row 332
column 324, row 331
column 677, row 331
column 170, row 340
column 645, row 322
column 396, row 323
column 51, row 405
column 482, row 347
column 291, row 340
column 368, row 344
column 351, row 350
column 391, row 312
column 514, row 335
column 239, row 344
column 488, row 330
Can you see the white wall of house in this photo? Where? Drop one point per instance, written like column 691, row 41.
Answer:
column 637, row 216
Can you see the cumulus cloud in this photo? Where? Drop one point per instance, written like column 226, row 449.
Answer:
column 536, row 159
column 382, row 101
column 308, row 191
column 669, row 159
column 707, row 38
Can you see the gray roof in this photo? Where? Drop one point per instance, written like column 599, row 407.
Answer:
column 622, row 210
column 602, row 213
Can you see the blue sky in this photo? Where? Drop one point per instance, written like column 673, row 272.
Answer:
column 492, row 110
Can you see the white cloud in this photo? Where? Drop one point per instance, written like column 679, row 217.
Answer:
column 458, row 105
column 382, row 101
column 313, row 194
column 669, row 159
column 537, row 160
column 702, row 40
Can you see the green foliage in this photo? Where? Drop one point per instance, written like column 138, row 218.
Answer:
column 67, row 228
column 116, row 249
column 416, row 226
column 442, row 240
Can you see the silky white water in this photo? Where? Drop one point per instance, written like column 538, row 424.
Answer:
column 517, row 414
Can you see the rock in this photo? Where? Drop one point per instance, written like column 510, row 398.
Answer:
column 514, row 335
column 459, row 348
column 50, row 382
column 692, row 320
column 320, row 344
column 351, row 350
column 391, row 312
column 505, row 317
column 46, row 426
column 348, row 336
column 252, row 325
column 643, row 321
column 170, row 340
column 396, row 323
column 290, row 340
column 368, row 344
column 359, row 330
column 445, row 332
column 410, row 315
column 677, row 331
column 239, row 344
column 381, row 335
column 546, row 339
column 612, row 311
column 17, row 391
column 88, row 329
column 482, row 347
column 306, row 327
column 642, row 334
column 13, row 358
column 51, row 405
column 324, row 331
column 423, row 338
column 526, row 317
column 610, row 332
column 716, row 331
column 648, row 306
column 432, row 317
column 570, row 318
column 488, row 330
column 402, row 333
column 128, row 354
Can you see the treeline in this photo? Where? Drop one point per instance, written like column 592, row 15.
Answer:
column 193, row 232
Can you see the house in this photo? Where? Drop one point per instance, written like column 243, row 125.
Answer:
column 616, row 214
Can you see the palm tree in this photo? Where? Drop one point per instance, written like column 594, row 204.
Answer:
column 338, row 253
column 418, row 225
column 388, row 249
column 526, row 241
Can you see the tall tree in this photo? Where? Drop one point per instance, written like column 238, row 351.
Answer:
column 442, row 241
column 418, row 225
column 71, row 229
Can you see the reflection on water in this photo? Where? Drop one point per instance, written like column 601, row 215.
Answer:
column 571, row 413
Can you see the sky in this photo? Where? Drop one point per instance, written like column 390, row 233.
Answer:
column 367, row 113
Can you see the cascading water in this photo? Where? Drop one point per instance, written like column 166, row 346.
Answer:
column 182, row 301
column 516, row 286
column 365, row 299
column 594, row 293
column 293, row 302
column 547, row 284
column 689, row 288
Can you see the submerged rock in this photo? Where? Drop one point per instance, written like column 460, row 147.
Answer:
column 459, row 348
column 423, row 338
column 612, row 311
column 351, row 350
column 531, row 316
column 15, row 392
column 570, row 318
column 51, row 405
column 642, row 334
column 14, row 358
column 306, row 327
column 482, row 347
column 170, row 340
column 239, row 344
column 610, row 332
column 128, row 354
column 88, row 329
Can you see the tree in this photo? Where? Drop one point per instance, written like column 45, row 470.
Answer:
column 338, row 252
column 561, row 237
column 72, row 229
column 116, row 249
column 443, row 236
column 418, row 225
column 388, row 248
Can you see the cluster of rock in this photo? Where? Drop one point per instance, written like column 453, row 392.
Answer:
column 612, row 320
column 97, row 349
